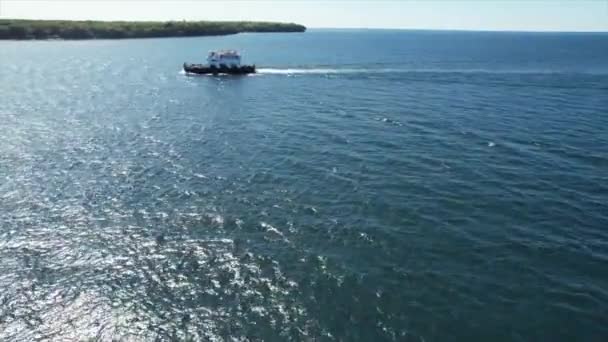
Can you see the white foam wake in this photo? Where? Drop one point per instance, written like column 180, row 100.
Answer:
column 290, row 71
column 325, row 71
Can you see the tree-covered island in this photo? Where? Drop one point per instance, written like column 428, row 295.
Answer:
column 66, row 29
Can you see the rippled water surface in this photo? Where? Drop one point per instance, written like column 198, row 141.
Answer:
column 365, row 185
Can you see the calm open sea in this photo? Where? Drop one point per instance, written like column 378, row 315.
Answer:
column 364, row 186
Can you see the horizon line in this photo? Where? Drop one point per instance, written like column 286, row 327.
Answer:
column 454, row 29
column 340, row 28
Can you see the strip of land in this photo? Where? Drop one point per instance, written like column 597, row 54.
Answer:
column 66, row 29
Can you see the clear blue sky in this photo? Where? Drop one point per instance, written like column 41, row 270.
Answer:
column 556, row 15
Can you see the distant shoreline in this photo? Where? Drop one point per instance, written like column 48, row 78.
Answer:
column 21, row 29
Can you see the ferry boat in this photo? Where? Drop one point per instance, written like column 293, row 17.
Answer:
column 221, row 62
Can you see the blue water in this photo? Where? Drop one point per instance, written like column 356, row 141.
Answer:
column 365, row 185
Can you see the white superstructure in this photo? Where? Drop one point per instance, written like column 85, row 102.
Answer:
column 229, row 58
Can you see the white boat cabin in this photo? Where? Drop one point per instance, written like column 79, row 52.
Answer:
column 229, row 58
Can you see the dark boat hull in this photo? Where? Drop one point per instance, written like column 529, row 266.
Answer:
column 212, row 70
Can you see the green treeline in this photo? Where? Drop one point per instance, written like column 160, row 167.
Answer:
column 64, row 29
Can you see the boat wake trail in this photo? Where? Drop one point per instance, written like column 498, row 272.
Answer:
column 418, row 71
column 291, row 71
